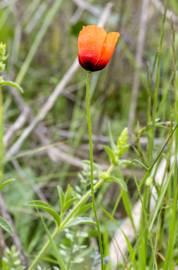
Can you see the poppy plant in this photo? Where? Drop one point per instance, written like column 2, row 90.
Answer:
column 96, row 47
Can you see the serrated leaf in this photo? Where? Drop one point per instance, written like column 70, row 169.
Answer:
column 6, row 182
column 119, row 181
column 47, row 208
column 111, row 155
column 81, row 220
column 6, row 226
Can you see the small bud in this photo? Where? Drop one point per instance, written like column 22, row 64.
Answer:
column 104, row 175
column 122, row 143
column 149, row 181
column 3, row 56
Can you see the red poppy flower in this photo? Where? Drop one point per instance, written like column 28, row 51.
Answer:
column 95, row 47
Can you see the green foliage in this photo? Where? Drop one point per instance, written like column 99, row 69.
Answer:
column 122, row 143
column 11, row 260
column 118, row 150
column 115, row 154
column 73, row 248
column 11, row 84
column 119, row 181
column 5, row 225
column 46, row 208
column 6, row 182
column 112, row 154
column 81, row 220
column 3, row 56
column 41, row 38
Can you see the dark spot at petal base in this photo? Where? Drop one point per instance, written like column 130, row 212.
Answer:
column 90, row 66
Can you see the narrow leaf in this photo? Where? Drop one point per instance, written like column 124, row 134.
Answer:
column 11, row 84
column 45, row 207
column 111, row 155
column 5, row 226
column 119, row 181
column 61, row 200
column 6, row 182
column 81, row 220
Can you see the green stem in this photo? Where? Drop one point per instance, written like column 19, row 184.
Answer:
column 1, row 135
column 92, row 167
column 59, row 229
column 157, row 68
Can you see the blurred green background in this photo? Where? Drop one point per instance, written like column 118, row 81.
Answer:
column 41, row 38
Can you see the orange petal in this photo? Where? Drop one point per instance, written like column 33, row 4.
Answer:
column 90, row 45
column 108, row 49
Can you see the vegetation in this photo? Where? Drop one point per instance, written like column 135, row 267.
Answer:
column 104, row 200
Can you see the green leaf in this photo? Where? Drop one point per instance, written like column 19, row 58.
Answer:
column 11, row 259
column 108, row 214
column 46, row 208
column 68, row 203
column 128, row 206
column 119, row 181
column 122, row 143
column 159, row 202
column 61, row 199
column 131, row 250
column 11, row 84
column 111, row 154
column 69, row 198
column 3, row 56
column 68, row 193
column 6, row 182
column 81, row 220
column 83, row 209
column 6, row 226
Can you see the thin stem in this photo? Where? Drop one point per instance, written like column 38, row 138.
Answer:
column 59, row 229
column 92, row 167
column 1, row 135
column 157, row 69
